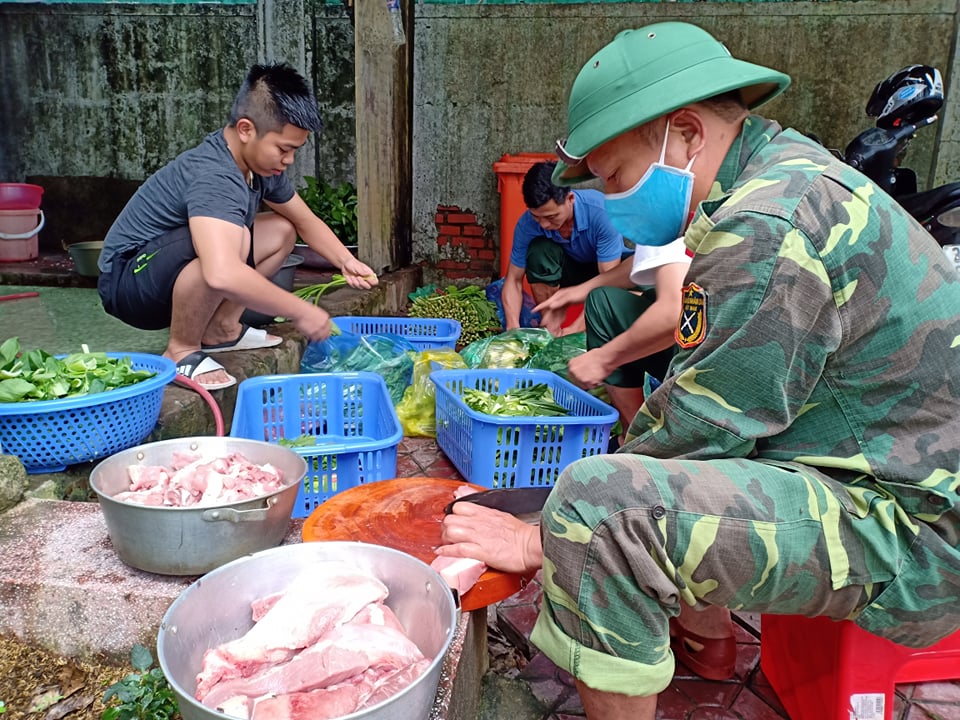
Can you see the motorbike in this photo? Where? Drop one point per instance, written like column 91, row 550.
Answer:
column 905, row 102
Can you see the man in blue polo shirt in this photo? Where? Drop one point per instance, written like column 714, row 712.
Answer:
column 563, row 239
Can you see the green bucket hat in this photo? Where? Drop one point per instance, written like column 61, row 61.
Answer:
column 646, row 73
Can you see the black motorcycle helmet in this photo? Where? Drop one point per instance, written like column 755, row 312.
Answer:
column 911, row 94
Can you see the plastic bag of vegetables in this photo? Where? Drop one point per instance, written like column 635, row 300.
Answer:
column 418, row 408
column 510, row 349
column 385, row 354
column 556, row 355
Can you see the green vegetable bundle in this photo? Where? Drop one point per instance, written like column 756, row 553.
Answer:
column 468, row 305
column 38, row 375
column 533, row 401
column 312, row 293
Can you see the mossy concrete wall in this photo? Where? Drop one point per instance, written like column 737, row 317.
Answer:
column 115, row 90
column 494, row 79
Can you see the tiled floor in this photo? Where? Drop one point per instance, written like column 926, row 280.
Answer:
column 551, row 694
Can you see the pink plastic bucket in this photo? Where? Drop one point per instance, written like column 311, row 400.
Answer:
column 18, row 234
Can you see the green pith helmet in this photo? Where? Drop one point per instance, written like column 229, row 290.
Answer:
column 646, row 73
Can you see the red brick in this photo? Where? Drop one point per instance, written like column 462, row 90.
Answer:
column 451, row 264
column 476, row 243
column 447, row 208
column 473, row 230
column 486, row 255
column 449, row 230
column 440, row 218
column 462, row 218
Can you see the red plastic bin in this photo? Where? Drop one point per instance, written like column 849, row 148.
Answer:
column 826, row 670
column 510, row 170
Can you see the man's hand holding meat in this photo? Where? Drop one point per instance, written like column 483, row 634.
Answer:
column 496, row 538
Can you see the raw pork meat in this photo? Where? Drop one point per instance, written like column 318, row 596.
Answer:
column 363, row 691
column 461, row 574
column 194, row 480
column 319, row 599
column 322, row 704
column 344, row 652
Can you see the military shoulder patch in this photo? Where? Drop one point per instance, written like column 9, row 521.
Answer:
column 692, row 328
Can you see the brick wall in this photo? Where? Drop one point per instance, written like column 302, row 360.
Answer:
column 465, row 248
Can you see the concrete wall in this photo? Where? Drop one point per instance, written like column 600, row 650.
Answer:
column 113, row 91
column 493, row 79
column 99, row 95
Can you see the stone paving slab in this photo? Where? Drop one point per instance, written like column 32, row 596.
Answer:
column 63, row 587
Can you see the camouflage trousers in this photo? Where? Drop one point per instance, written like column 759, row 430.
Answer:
column 628, row 538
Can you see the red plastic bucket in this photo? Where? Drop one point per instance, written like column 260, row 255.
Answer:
column 20, row 196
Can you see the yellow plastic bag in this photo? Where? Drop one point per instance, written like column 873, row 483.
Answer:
column 417, row 409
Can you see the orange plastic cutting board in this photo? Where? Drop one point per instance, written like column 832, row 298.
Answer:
column 404, row 514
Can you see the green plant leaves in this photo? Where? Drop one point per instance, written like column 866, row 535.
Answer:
column 336, row 205
column 534, row 401
column 140, row 658
column 145, row 695
column 38, row 375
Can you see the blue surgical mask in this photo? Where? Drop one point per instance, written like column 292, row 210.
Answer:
column 654, row 211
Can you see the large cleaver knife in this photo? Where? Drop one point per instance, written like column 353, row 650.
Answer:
column 525, row 502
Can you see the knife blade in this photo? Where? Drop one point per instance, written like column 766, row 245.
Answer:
column 525, row 503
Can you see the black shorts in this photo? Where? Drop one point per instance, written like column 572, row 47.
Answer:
column 139, row 287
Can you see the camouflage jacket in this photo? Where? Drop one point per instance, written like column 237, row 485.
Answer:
column 820, row 325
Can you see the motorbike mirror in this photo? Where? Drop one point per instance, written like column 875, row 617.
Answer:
column 950, row 218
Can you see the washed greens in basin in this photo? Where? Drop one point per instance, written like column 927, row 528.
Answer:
column 38, row 375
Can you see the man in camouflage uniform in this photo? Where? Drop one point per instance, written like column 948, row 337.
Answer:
column 802, row 455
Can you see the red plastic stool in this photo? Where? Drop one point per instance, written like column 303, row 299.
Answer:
column 826, row 670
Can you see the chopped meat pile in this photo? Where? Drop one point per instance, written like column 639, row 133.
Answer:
column 325, row 647
column 200, row 480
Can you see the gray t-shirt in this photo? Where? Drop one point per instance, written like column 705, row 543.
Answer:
column 201, row 182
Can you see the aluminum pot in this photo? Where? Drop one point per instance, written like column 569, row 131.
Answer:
column 195, row 540
column 216, row 609
column 282, row 278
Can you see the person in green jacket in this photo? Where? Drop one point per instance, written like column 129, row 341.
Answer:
column 801, row 456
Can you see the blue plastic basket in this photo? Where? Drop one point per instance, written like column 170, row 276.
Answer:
column 49, row 435
column 422, row 333
column 350, row 414
column 505, row 452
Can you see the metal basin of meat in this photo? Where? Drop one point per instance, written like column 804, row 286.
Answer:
column 194, row 540
column 217, row 609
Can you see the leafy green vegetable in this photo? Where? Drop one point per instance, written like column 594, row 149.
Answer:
column 38, row 375
column 143, row 695
column 533, row 401
column 300, row 441
column 312, row 293
column 469, row 306
column 336, row 205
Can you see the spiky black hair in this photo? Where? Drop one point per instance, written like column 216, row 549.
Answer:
column 275, row 95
